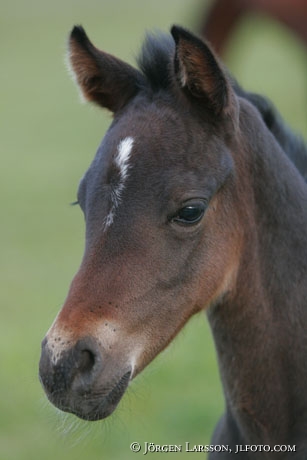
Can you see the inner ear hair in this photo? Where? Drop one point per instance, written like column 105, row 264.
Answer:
column 198, row 71
column 102, row 78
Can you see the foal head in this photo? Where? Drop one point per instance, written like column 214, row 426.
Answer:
column 162, row 236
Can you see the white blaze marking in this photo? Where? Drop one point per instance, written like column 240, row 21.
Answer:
column 123, row 154
column 121, row 160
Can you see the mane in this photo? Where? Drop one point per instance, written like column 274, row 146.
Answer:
column 155, row 58
column 292, row 144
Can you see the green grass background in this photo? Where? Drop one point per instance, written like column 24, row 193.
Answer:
column 47, row 141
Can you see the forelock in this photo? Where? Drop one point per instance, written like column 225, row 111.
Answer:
column 156, row 58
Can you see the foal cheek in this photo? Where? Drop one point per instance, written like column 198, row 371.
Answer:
column 218, row 257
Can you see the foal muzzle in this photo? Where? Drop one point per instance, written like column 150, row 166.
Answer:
column 83, row 380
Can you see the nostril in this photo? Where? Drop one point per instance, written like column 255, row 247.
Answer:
column 86, row 361
column 74, row 370
column 86, row 365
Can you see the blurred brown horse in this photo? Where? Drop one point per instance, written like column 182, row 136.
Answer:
column 224, row 15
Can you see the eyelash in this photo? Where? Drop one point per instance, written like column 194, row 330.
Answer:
column 74, row 203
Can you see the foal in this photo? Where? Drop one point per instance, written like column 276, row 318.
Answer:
column 190, row 204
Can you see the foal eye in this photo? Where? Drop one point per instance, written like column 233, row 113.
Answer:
column 190, row 214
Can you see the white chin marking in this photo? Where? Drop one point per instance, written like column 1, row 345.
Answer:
column 121, row 160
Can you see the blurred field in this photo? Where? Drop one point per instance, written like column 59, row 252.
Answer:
column 47, row 141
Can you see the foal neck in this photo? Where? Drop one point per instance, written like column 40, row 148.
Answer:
column 260, row 327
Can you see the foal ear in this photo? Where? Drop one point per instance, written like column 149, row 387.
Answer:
column 102, row 78
column 198, row 71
